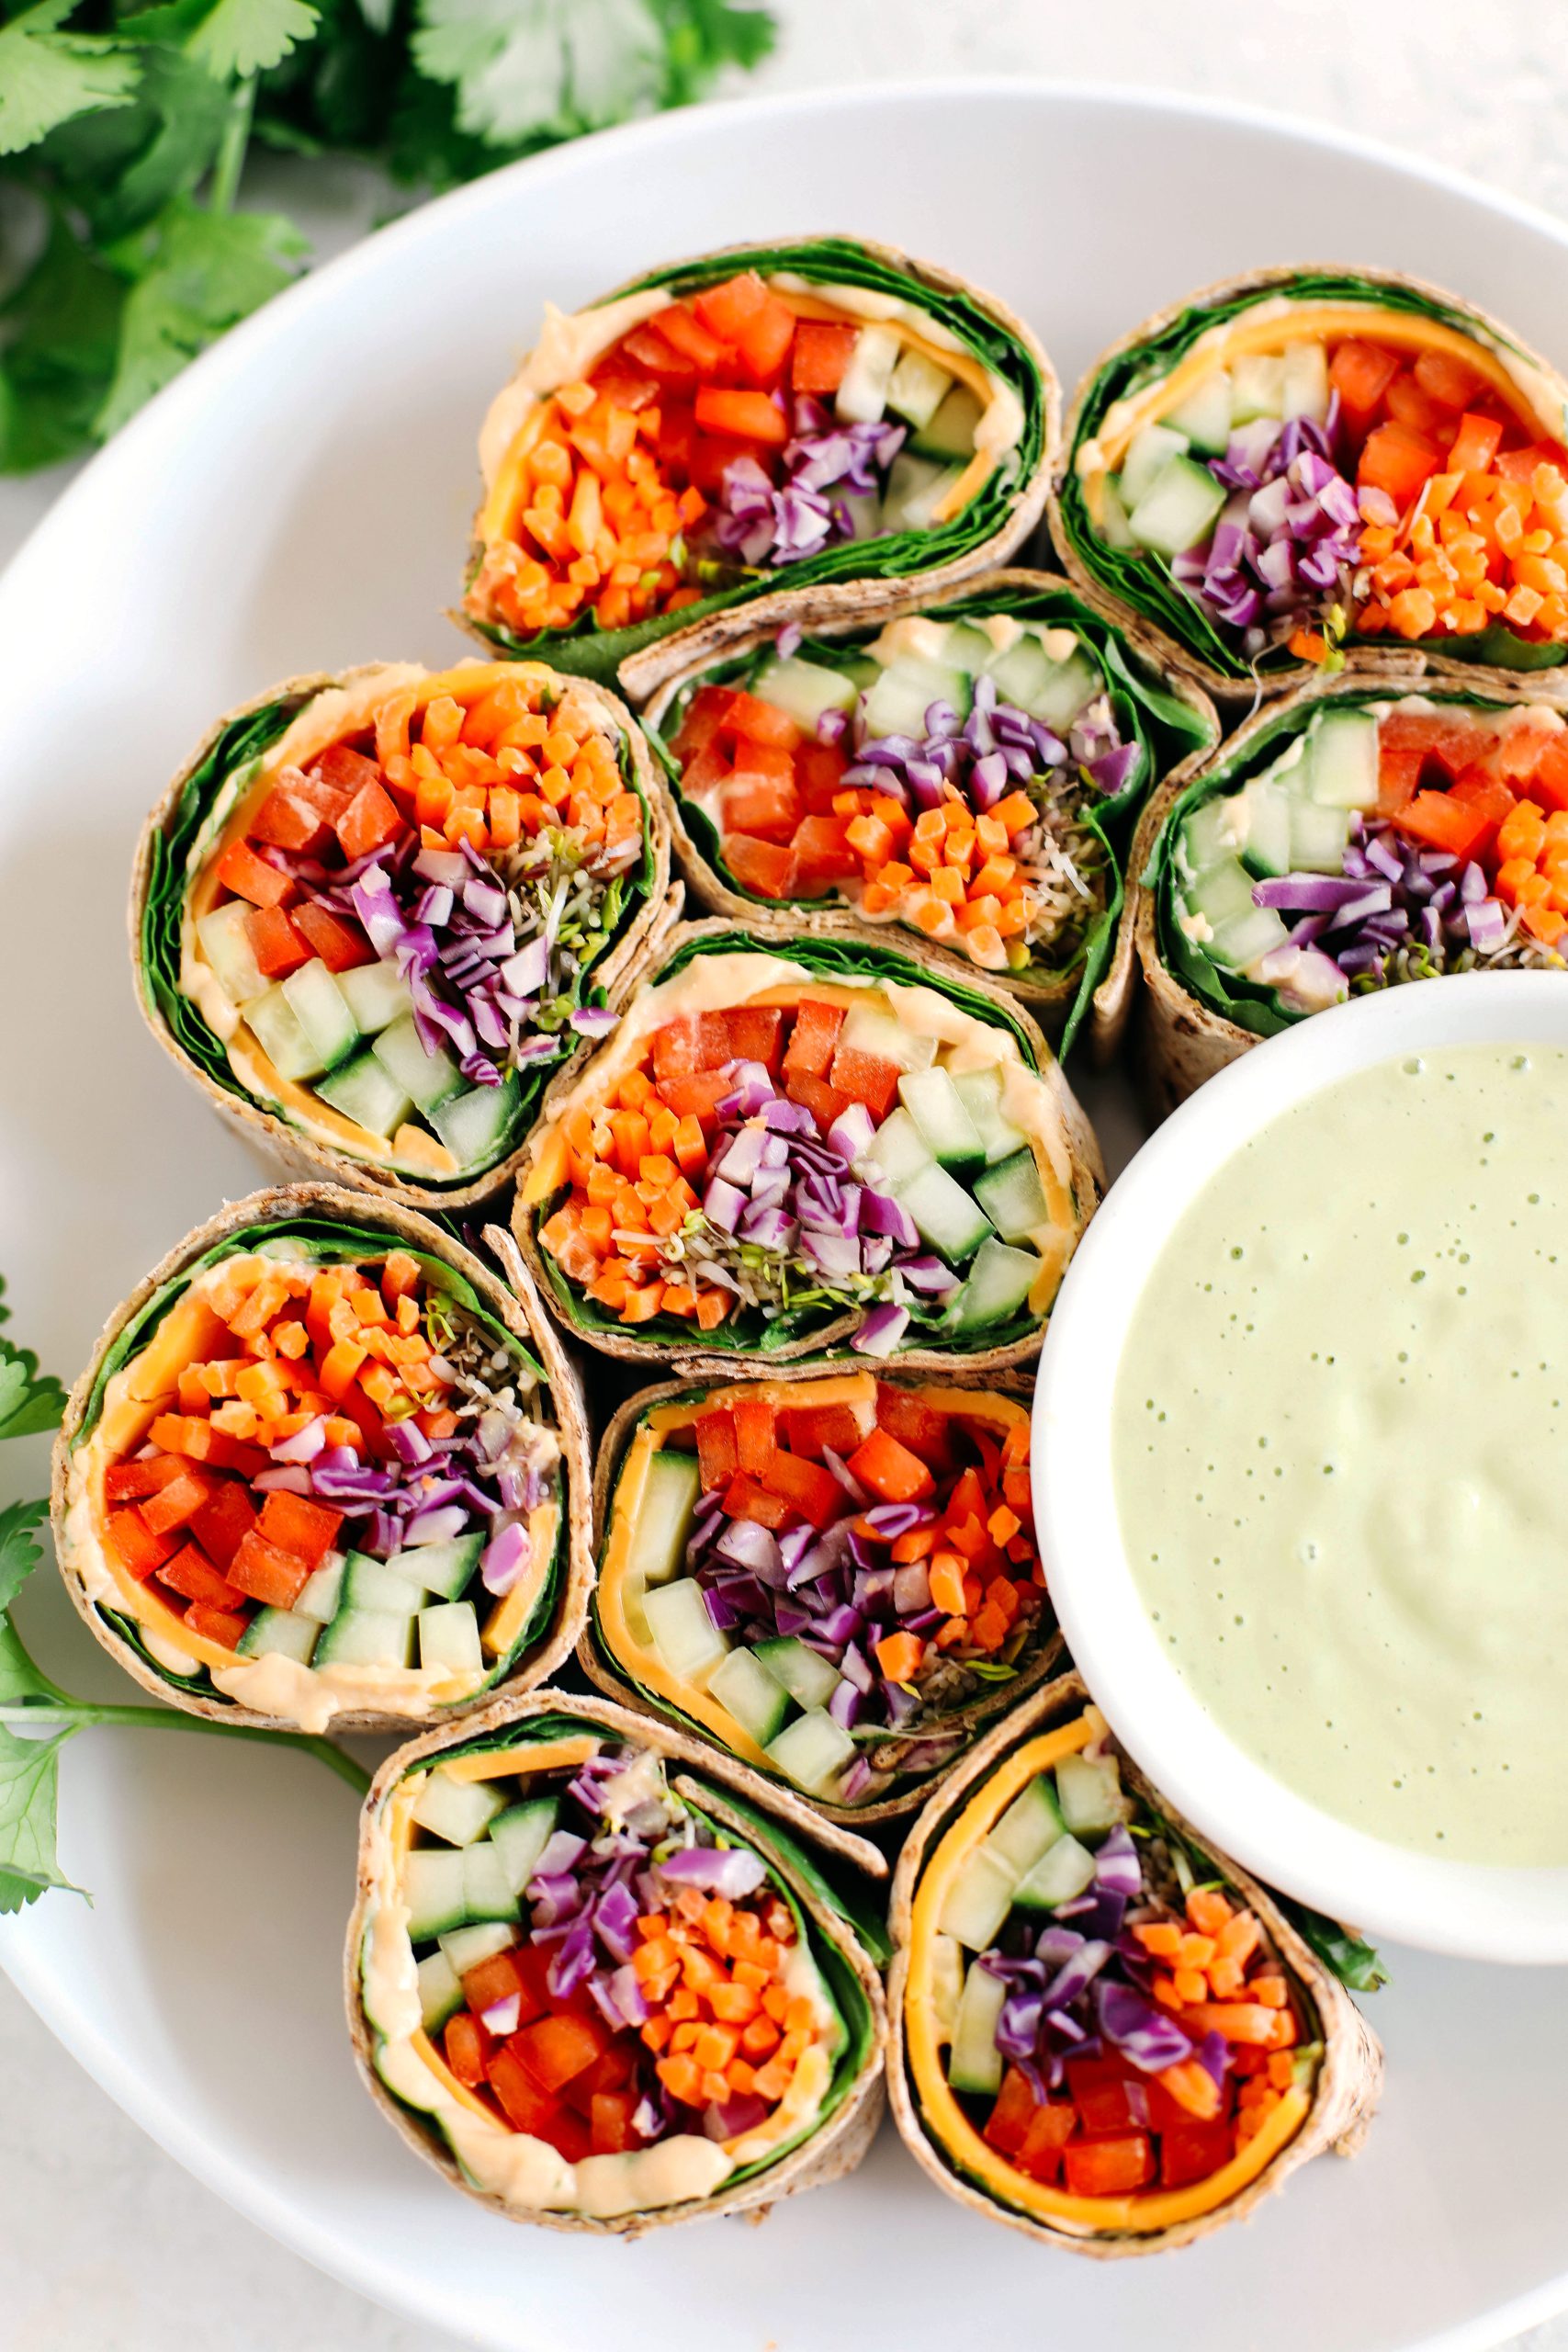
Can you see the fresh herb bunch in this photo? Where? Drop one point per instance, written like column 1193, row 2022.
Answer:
column 124, row 130
column 31, row 1402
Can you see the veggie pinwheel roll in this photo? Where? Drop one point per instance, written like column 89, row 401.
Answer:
column 768, row 421
column 374, row 910
column 1298, row 460
column 776, row 1155
column 603, row 1991
column 324, row 1468
column 967, row 772
column 1104, row 2033
column 832, row 1576
column 1350, row 838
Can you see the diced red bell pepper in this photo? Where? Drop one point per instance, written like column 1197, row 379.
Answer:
column 288, row 820
column 814, row 1036
column 1110, row 2100
column 1474, row 444
column 685, row 332
column 712, row 454
column 223, row 1522
column 767, row 805
column 751, row 1032
column 371, row 819
column 491, row 1980
column 822, row 854
column 554, row 2048
column 765, row 868
column 468, row 2048
column 223, row 1626
column 697, row 1096
column 808, row 1486
column 821, row 355
column 340, row 944
column 1548, row 784
column 612, row 2070
column 1006, row 2126
column 126, row 1482
column 727, row 309
column 177, row 1501
column 624, row 386
column 1409, row 404
column 1489, row 798
column 532, row 1962
column 865, row 1077
column 758, row 725
column 918, row 1426
column 188, row 1433
column 706, row 772
column 1361, row 373
column 660, row 357
column 1399, row 776
column 1445, row 824
column 751, row 416
column 343, row 772
column 610, row 2123
column 250, row 877
column 1109, row 2167
column 701, row 721
column 526, row 2107
column 718, row 1458
column 1192, row 2151
column 823, row 1102
column 297, row 1524
column 677, row 1048
column 745, row 1498
column 134, row 1545
column 1050, row 2132
column 1448, row 381
column 1396, row 460
column 819, row 773
column 892, row 1472
column 806, row 1429
column 765, row 341
column 676, row 440
column 754, row 1441
column 275, row 944
column 193, row 1576
column 267, row 1574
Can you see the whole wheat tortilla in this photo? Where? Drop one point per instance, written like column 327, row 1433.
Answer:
column 973, row 1718
column 1244, row 691
column 1349, row 2075
column 300, row 1154
column 644, row 671
column 1049, row 995
column 833, row 2151
column 1087, row 1176
column 559, row 1399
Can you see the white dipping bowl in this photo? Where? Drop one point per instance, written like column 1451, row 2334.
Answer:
column 1471, row 1909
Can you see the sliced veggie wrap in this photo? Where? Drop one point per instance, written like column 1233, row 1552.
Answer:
column 749, row 434
column 374, row 910
column 1301, row 463
column 596, row 1982
column 833, row 1575
column 324, row 1468
column 1103, row 2032
column 1354, row 836
column 777, row 1156
column 967, row 772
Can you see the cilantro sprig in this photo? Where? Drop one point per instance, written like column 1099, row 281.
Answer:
column 125, row 130
column 37, row 1717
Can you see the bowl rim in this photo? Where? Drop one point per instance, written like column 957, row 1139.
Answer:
column 1475, row 1911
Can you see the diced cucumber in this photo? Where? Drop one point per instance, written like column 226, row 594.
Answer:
column 321, row 1011
column 1012, row 1196
column 440, row 1991
column 862, row 509
column 449, row 1637
column 974, row 2063
column 978, row 1899
column 813, row 1750
column 669, row 1493
column 226, row 944
column 1265, row 842
column 1113, row 526
column 867, row 1030
column 429, row 1080
column 968, row 649
column 1206, row 416
column 918, row 387
column 1149, row 453
column 906, row 690
column 368, row 1094
column 375, row 1584
column 946, row 1985
column 1180, row 511
column 915, row 486
column 1212, row 835
column 1318, row 837
column 862, row 389
column 377, row 995
column 951, row 1219
column 1305, row 388
column 485, row 1895
column 805, row 1673
column 520, row 1836
column 443, row 1568
column 1030, row 1826
column 432, row 1888
column 276, row 1027
column 321, row 1591
column 1023, row 672
column 465, row 1948
column 1344, row 754
column 759, row 1704
column 474, row 1127
column 896, row 1152
column 1089, row 1790
column 1244, row 940
column 998, row 1285
column 683, row 1633
column 280, row 1632
column 980, row 1091
column 937, row 1109
column 1072, row 683
column 803, row 690
column 365, row 1637
column 1258, row 388
column 1067, row 1869
column 1221, row 893
column 949, row 432
column 458, row 1811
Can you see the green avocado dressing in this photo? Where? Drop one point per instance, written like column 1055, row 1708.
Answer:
column 1341, row 1451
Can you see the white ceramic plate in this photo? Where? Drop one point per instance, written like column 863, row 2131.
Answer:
column 300, row 500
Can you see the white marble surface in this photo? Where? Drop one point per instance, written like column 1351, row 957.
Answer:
column 1478, row 90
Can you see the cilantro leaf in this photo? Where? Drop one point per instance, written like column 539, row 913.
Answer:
column 193, row 274
column 525, row 67
column 30, row 1401
column 120, row 168
column 246, row 37
column 47, row 76
column 701, row 35
column 30, row 1777
column 19, row 1556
